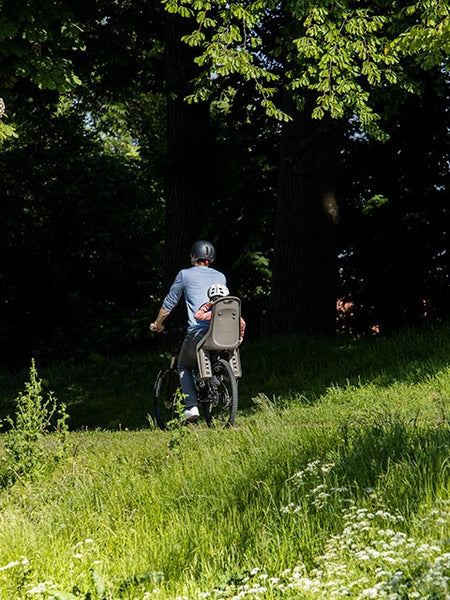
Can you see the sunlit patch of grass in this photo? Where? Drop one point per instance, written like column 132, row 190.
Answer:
column 369, row 558
column 340, row 492
column 306, row 510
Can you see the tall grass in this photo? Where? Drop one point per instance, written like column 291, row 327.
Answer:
column 328, row 487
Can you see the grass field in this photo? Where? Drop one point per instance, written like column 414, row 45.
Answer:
column 334, row 483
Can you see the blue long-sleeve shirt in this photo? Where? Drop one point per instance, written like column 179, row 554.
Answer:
column 194, row 283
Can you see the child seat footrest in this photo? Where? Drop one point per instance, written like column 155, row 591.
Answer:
column 205, row 367
column 204, row 364
column 235, row 363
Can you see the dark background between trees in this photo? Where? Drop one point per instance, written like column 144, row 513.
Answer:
column 107, row 185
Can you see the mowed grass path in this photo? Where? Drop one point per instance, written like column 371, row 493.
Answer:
column 334, row 483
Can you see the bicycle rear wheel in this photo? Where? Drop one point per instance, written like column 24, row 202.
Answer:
column 226, row 385
column 165, row 392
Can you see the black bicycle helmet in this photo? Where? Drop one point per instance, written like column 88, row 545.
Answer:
column 203, row 250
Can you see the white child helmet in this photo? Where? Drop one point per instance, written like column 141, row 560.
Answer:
column 218, row 290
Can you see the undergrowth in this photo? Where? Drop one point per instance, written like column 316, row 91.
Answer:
column 25, row 449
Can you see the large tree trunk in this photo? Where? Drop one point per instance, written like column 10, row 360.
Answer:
column 187, row 168
column 303, row 295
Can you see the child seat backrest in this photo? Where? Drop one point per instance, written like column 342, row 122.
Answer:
column 224, row 329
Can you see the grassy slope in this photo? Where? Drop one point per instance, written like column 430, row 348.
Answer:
column 111, row 393
column 200, row 505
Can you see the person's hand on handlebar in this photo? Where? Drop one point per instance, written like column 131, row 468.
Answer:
column 157, row 325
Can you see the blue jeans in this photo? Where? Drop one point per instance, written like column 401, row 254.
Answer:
column 187, row 362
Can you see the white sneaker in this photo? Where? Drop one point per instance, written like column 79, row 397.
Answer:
column 190, row 414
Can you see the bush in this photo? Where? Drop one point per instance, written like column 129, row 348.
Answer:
column 25, row 450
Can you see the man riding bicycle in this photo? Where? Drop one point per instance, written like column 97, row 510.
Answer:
column 194, row 284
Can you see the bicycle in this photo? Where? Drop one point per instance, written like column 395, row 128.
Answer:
column 217, row 373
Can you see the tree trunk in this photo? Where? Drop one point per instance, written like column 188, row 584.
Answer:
column 187, row 168
column 303, row 295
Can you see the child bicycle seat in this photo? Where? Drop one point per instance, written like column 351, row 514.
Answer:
column 222, row 336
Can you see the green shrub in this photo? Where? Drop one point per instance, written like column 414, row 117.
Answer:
column 25, row 448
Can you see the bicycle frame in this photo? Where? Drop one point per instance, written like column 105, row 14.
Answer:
column 216, row 392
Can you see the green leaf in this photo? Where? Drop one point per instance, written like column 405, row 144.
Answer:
column 6, row 131
column 374, row 203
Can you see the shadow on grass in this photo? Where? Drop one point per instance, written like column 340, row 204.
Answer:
column 116, row 393
column 104, row 393
column 307, row 367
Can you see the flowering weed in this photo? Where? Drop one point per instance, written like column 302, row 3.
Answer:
column 25, row 452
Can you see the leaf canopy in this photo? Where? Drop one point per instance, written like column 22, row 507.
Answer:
column 346, row 53
column 36, row 42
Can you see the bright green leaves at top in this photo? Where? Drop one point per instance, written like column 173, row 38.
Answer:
column 227, row 34
column 344, row 52
column 35, row 40
column 428, row 38
column 342, row 56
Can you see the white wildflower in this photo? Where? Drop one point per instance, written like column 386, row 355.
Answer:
column 326, row 467
column 10, row 565
column 374, row 592
column 312, row 466
column 42, row 588
column 15, row 563
column 319, row 488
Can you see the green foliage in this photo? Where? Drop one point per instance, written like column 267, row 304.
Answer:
column 342, row 52
column 6, row 131
column 36, row 40
column 393, row 234
column 24, row 447
column 374, row 203
column 94, row 167
column 179, row 433
column 429, row 40
column 99, row 275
